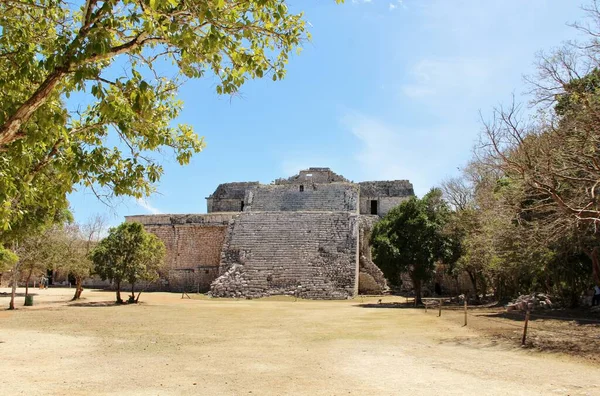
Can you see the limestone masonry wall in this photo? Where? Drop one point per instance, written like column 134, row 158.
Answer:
column 388, row 194
column 193, row 247
column 312, row 197
column 307, row 254
column 314, row 175
column 228, row 197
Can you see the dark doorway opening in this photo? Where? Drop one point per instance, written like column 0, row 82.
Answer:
column 373, row 207
column 301, row 188
column 242, row 207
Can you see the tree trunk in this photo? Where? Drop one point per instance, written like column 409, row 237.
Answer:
column 593, row 255
column 132, row 298
column 13, row 293
column 78, row 288
column 27, row 282
column 473, row 278
column 119, row 300
column 10, row 130
column 417, row 287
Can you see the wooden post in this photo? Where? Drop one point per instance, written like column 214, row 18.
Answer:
column 525, row 327
column 440, row 312
column 465, row 310
column 425, row 306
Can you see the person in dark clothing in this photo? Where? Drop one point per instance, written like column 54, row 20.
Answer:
column 596, row 298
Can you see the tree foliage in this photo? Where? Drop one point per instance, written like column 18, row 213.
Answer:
column 128, row 254
column 114, row 57
column 532, row 213
column 7, row 259
column 410, row 239
column 38, row 253
column 75, row 242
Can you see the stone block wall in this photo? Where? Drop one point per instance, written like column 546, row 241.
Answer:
column 228, row 197
column 386, row 188
column 306, row 254
column 193, row 247
column 303, row 197
column 314, row 175
column 388, row 194
column 224, row 205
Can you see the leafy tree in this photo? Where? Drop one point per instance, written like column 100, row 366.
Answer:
column 7, row 259
column 10, row 261
column 76, row 242
column 410, row 239
column 111, row 55
column 555, row 154
column 128, row 254
column 37, row 253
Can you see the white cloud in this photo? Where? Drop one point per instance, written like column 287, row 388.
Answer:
column 144, row 204
column 392, row 6
column 386, row 152
column 448, row 77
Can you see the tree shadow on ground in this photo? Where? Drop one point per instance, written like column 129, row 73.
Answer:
column 388, row 305
column 7, row 295
column 478, row 343
column 88, row 304
column 101, row 304
column 579, row 316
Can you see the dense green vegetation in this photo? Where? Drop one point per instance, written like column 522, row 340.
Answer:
column 525, row 210
column 128, row 254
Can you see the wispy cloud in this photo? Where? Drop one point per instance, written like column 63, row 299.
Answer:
column 457, row 76
column 391, row 6
column 383, row 151
column 144, row 204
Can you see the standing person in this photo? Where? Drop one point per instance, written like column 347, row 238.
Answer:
column 596, row 298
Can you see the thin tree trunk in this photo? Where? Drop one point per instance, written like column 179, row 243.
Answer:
column 473, row 278
column 417, row 287
column 14, row 286
column 119, row 300
column 132, row 299
column 78, row 289
column 593, row 255
column 27, row 282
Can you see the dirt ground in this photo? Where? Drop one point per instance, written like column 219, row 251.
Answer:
column 168, row 345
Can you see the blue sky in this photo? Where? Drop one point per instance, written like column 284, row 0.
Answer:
column 385, row 90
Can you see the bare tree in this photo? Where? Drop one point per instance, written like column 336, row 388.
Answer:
column 78, row 242
column 458, row 192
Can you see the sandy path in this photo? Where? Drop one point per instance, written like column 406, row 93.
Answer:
column 265, row 347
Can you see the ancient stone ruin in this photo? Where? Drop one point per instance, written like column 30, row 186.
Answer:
column 306, row 236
